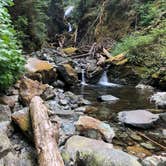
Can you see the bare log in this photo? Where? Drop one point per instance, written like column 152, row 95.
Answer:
column 44, row 135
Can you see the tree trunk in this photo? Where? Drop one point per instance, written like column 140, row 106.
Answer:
column 44, row 135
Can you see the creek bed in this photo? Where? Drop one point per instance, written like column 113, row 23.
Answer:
column 127, row 138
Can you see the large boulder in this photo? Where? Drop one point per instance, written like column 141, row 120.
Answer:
column 90, row 152
column 86, row 123
column 30, row 88
column 138, row 118
column 160, row 99
column 40, row 70
column 68, row 74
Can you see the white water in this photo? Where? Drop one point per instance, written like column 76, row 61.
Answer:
column 83, row 82
column 104, row 81
column 68, row 11
column 69, row 27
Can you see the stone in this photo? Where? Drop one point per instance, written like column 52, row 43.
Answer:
column 138, row 118
column 5, row 145
column 85, row 151
column 58, row 109
column 144, row 87
column 68, row 73
column 148, row 146
column 108, row 98
column 4, row 126
column 5, row 113
column 22, row 119
column 154, row 161
column 159, row 99
column 40, row 70
column 30, row 88
column 135, row 137
column 10, row 160
column 91, row 109
column 86, row 123
column 36, row 65
column 49, row 93
column 9, row 100
column 138, row 151
column 163, row 116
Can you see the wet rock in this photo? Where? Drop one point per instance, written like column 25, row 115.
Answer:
column 154, row 161
column 148, row 146
column 30, row 88
column 138, row 151
column 80, row 109
column 85, row 151
column 138, row 118
column 160, row 99
column 22, row 119
column 68, row 74
column 5, row 113
column 9, row 100
column 86, row 123
column 108, row 98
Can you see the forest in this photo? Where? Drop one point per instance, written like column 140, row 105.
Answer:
column 82, row 82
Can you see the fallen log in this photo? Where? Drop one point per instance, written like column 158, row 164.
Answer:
column 44, row 135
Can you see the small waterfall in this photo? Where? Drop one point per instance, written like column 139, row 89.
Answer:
column 105, row 82
column 69, row 27
column 83, row 82
column 68, row 11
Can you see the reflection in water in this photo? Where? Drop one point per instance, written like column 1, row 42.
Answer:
column 130, row 99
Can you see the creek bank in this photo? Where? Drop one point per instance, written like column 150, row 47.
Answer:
column 67, row 111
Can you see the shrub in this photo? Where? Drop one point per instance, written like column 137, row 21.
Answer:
column 11, row 62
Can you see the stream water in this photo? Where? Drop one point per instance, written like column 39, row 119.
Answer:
column 130, row 99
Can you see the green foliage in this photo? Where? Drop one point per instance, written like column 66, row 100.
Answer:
column 30, row 18
column 147, row 45
column 148, row 12
column 11, row 62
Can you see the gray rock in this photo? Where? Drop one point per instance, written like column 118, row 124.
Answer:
column 5, row 113
column 148, row 146
column 90, row 152
column 163, row 116
column 138, row 118
column 108, row 98
column 154, row 161
column 144, row 87
column 5, row 145
column 160, row 99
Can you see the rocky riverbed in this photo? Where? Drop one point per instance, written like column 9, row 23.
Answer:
column 97, row 125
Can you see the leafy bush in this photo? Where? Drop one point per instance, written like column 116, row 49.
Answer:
column 11, row 62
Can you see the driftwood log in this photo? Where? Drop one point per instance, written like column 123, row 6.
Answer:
column 44, row 135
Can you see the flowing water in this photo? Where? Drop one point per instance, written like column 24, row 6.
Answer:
column 130, row 97
column 83, row 82
column 104, row 81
